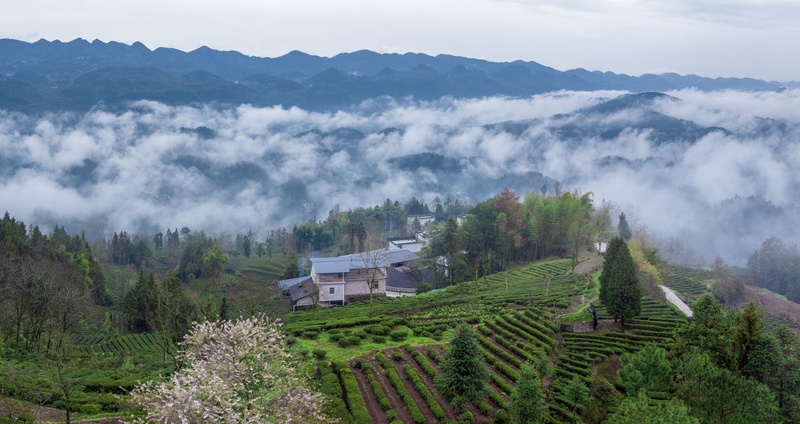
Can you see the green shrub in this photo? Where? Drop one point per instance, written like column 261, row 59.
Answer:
column 349, row 341
column 329, row 385
column 335, row 337
column 360, row 333
column 436, row 409
column 501, row 417
column 424, row 288
column 379, row 330
column 324, row 369
column 398, row 335
column 466, row 417
column 379, row 339
column 91, row 408
column 397, row 321
column 310, row 335
column 391, row 415
column 319, row 353
column 483, row 407
column 354, row 398
column 397, row 356
column 290, row 340
column 360, row 364
column 110, row 403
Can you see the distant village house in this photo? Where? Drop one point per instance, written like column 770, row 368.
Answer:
column 344, row 279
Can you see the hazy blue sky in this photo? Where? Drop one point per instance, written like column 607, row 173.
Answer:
column 730, row 38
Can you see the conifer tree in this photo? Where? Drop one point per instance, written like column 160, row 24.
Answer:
column 577, row 393
column 464, row 373
column 623, row 227
column 621, row 295
column 527, row 400
column 748, row 334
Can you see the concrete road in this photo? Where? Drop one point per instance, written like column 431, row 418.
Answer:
column 672, row 297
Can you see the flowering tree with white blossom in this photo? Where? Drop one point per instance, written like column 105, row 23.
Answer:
column 234, row 372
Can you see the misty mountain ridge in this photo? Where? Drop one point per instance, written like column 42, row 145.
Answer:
column 78, row 75
column 134, row 138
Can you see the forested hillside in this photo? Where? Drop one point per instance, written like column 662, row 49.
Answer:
column 518, row 288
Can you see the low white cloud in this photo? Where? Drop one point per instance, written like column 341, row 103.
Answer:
column 140, row 169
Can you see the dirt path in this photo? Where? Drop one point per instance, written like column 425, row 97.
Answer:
column 588, row 266
column 675, row 300
column 376, row 414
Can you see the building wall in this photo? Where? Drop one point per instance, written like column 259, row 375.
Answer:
column 357, row 282
column 326, row 296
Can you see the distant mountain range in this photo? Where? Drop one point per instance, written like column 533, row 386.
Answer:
column 78, row 75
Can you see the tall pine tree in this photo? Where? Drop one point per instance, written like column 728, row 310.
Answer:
column 527, row 401
column 464, row 373
column 619, row 284
column 623, row 227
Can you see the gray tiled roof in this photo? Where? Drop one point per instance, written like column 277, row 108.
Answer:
column 381, row 258
column 286, row 284
column 302, row 290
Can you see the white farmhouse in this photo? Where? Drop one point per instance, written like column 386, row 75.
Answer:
column 343, row 279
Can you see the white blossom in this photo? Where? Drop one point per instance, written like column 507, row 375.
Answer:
column 236, row 372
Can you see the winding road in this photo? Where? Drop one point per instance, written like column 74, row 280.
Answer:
column 672, row 297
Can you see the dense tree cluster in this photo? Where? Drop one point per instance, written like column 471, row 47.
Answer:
column 127, row 250
column 735, row 370
column 503, row 230
column 46, row 281
column 776, row 266
column 200, row 257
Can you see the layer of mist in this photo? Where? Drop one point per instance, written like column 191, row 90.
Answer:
column 716, row 170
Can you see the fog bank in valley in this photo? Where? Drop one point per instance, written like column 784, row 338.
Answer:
column 717, row 170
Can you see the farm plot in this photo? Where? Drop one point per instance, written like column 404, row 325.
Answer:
column 433, row 314
column 254, row 267
column 689, row 282
column 114, row 345
column 512, row 314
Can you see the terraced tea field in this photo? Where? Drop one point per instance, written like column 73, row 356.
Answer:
column 689, row 283
column 385, row 376
column 254, row 268
column 115, row 344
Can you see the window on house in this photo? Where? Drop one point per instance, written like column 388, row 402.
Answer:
column 332, row 290
column 374, row 284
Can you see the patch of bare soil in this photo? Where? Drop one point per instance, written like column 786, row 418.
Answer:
column 14, row 408
column 772, row 304
column 588, row 266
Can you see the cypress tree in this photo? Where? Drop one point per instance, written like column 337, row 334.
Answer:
column 621, row 295
column 464, row 373
column 527, row 400
column 623, row 227
column 748, row 334
column 614, row 246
